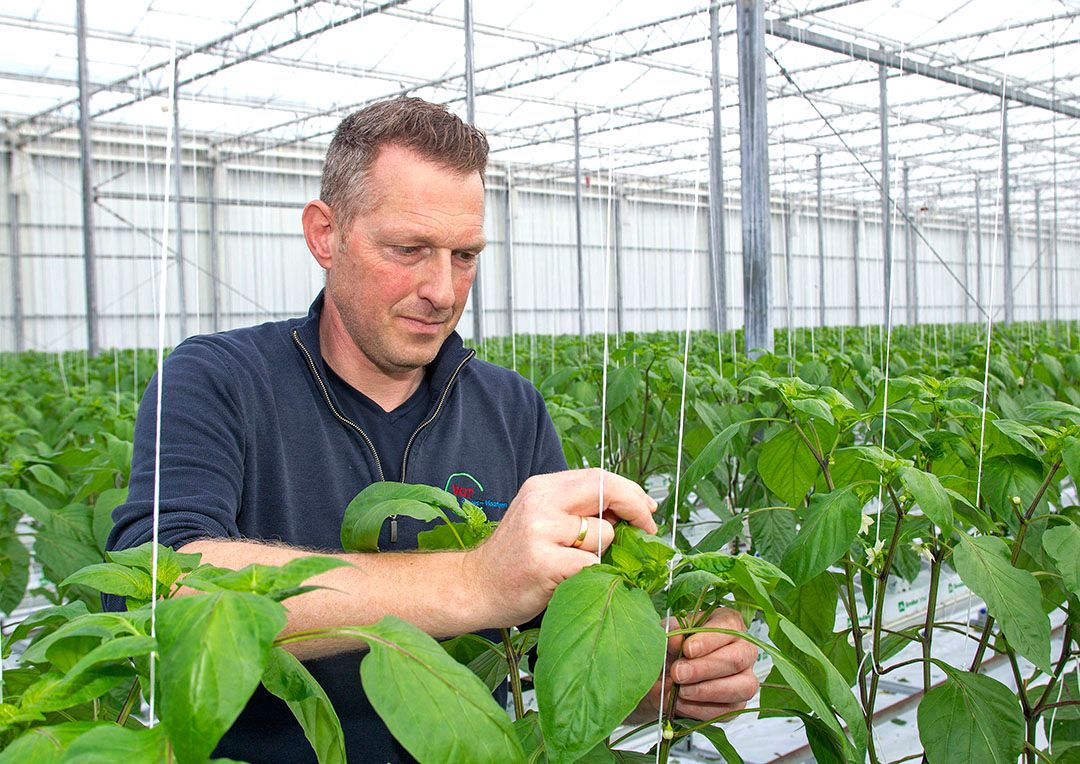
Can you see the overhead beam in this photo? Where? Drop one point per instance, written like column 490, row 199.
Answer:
column 907, row 64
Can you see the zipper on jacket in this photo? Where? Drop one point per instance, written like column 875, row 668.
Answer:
column 342, row 418
column 370, row 444
column 430, row 419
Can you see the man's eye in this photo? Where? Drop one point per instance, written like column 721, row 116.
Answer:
column 407, row 250
column 467, row 257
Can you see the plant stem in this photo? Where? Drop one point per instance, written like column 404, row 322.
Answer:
column 1031, row 510
column 931, row 611
column 1017, row 545
column 1066, row 653
column 515, row 674
column 129, row 702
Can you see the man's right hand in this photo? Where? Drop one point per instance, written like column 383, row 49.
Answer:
column 533, row 550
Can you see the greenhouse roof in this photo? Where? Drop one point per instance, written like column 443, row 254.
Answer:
column 265, row 76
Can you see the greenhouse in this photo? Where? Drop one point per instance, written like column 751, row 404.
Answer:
column 758, row 439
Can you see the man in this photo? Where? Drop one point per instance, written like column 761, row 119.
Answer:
column 269, row 431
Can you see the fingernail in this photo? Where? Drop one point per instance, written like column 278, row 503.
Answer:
column 679, row 672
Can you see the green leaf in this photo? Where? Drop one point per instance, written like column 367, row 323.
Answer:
column 930, row 495
column 109, row 651
column 601, row 648
column 43, row 619
column 831, row 525
column 171, row 564
column 622, row 384
column 434, row 706
column 1062, row 543
column 47, row 477
column 44, row 745
column 365, row 514
column 110, row 578
column 815, row 408
column 1020, row 435
column 26, row 504
column 1012, row 596
column 703, row 464
column 812, row 606
column 1006, row 477
column 273, row 581
column 106, row 502
column 836, row 688
column 772, row 532
column 970, row 718
column 109, row 743
column 1070, row 457
column 715, row 734
column 691, row 588
column 800, row 683
column 213, row 651
column 287, row 678
column 721, row 535
column 15, row 567
column 787, row 467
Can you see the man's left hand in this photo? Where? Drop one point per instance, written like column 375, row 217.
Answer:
column 714, row 674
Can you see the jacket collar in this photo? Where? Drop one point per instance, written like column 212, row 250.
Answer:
column 450, row 356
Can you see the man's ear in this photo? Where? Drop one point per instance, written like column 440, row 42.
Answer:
column 320, row 232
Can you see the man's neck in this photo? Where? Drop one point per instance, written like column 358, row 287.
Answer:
column 388, row 390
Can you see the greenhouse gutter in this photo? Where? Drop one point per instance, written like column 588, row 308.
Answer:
column 907, row 64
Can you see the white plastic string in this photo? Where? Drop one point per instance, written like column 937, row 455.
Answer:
column 679, row 450
column 162, row 297
column 989, row 330
column 607, row 316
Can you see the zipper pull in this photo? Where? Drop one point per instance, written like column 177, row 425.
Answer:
column 393, row 529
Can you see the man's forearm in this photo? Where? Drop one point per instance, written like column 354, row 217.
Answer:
column 436, row 591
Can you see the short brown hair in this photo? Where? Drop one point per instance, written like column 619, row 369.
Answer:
column 429, row 129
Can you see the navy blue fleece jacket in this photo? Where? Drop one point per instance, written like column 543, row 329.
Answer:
column 255, row 446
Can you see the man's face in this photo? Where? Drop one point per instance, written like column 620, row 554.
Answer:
column 401, row 276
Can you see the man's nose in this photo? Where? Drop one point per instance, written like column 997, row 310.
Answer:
column 437, row 283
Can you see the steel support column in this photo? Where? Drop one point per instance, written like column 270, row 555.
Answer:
column 966, row 254
column 856, row 248
column 910, row 274
column 754, row 162
column 216, row 172
column 717, row 225
column 978, row 246
column 820, row 243
column 1039, row 262
column 470, row 71
column 178, row 192
column 886, row 202
column 789, row 276
column 577, row 225
column 620, row 317
column 15, row 247
column 508, row 246
column 85, row 160
column 1054, row 263
column 470, row 117
column 1006, row 216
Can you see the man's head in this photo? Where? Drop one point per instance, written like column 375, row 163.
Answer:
column 428, row 130
column 397, row 230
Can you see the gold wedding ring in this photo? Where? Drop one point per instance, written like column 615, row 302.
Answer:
column 581, row 533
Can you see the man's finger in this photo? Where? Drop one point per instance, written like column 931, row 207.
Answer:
column 624, row 497
column 701, row 644
column 737, row 688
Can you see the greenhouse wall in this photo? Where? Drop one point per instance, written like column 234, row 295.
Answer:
column 262, row 269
